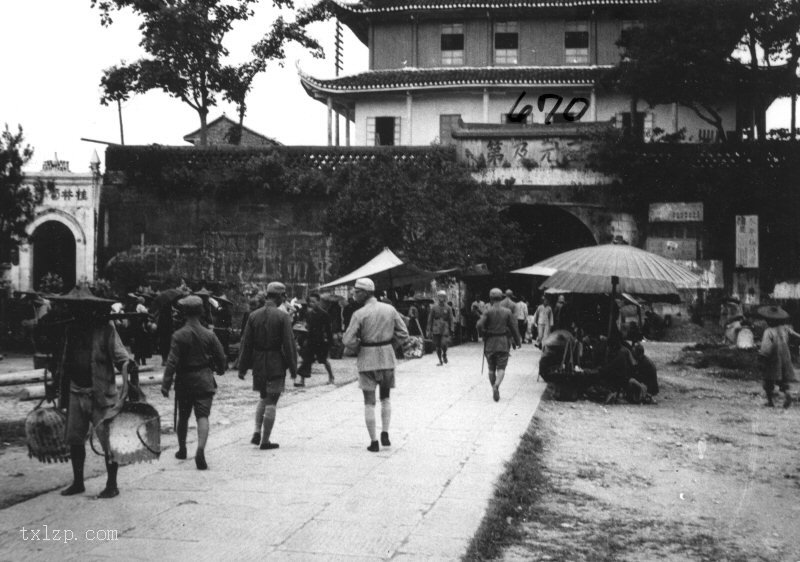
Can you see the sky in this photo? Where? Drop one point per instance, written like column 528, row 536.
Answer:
column 54, row 52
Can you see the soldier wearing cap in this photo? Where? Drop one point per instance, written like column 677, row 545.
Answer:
column 372, row 330
column 195, row 355
column 497, row 325
column 268, row 347
column 440, row 325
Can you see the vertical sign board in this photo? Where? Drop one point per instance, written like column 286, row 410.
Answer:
column 747, row 241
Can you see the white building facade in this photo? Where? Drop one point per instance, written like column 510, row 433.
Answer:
column 62, row 235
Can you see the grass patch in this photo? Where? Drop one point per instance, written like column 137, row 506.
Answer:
column 519, row 488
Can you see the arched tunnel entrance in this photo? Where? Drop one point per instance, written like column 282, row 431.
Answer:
column 545, row 231
column 53, row 252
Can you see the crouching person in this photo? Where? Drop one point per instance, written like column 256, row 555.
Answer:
column 195, row 354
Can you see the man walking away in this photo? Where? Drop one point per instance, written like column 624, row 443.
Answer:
column 320, row 337
column 372, row 330
column 195, row 355
column 440, row 323
column 522, row 317
column 496, row 326
column 269, row 349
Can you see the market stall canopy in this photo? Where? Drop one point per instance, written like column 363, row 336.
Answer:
column 386, row 270
column 535, row 270
column 592, row 269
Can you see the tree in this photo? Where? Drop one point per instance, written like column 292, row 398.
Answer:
column 775, row 27
column 17, row 201
column 431, row 211
column 683, row 54
column 184, row 41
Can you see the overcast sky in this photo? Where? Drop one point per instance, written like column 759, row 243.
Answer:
column 53, row 55
column 54, row 51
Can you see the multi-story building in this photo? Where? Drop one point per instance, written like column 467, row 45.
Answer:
column 433, row 63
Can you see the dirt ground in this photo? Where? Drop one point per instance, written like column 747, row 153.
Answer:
column 708, row 473
column 22, row 477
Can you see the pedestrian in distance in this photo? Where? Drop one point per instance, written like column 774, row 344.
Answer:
column 521, row 314
column 195, row 355
column 319, row 340
column 774, row 357
column 440, row 326
column 268, row 348
column 543, row 319
column 372, row 331
column 509, row 302
column 90, row 350
column 498, row 326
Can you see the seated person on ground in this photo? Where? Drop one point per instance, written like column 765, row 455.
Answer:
column 645, row 371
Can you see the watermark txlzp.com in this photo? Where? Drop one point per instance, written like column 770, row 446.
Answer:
column 46, row 533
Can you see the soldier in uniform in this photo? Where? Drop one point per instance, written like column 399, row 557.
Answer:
column 372, row 330
column 195, row 355
column 496, row 326
column 268, row 348
column 440, row 325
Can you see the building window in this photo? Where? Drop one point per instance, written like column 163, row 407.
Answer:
column 446, row 125
column 506, row 42
column 453, row 44
column 576, row 42
column 641, row 127
column 505, row 118
column 383, row 131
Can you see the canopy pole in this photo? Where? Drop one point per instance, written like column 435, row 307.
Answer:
column 612, row 304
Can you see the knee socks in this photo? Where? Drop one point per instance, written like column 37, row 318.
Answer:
column 269, row 421
column 386, row 414
column 111, row 467
column 492, row 378
column 260, row 415
column 369, row 418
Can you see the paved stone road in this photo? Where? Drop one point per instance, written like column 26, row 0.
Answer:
column 321, row 496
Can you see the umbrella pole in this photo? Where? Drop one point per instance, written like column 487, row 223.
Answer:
column 611, row 319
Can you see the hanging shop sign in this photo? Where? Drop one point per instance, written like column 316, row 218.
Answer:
column 747, row 241
column 676, row 212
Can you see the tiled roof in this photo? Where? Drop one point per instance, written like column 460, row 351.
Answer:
column 393, row 6
column 428, row 78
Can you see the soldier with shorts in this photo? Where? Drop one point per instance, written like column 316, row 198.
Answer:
column 497, row 325
column 268, row 347
column 195, row 355
column 372, row 330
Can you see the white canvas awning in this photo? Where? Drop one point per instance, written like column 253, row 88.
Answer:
column 386, row 270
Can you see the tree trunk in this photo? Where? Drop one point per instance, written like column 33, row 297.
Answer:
column 203, row 112
column 755, row 100
column 793, row 89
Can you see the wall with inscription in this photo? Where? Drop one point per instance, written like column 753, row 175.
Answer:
column 72, row 204
column 216, row 242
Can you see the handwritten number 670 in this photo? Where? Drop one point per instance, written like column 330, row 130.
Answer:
column 522, row 116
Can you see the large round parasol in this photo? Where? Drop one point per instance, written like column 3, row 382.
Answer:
column 611, row 267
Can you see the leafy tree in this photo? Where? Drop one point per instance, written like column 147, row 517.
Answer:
column 184, row 43
column 431, row 211
column 775, row 27
column 17, row 201
column 683, row 53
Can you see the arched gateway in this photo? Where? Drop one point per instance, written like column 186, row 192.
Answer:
column 53, row 246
